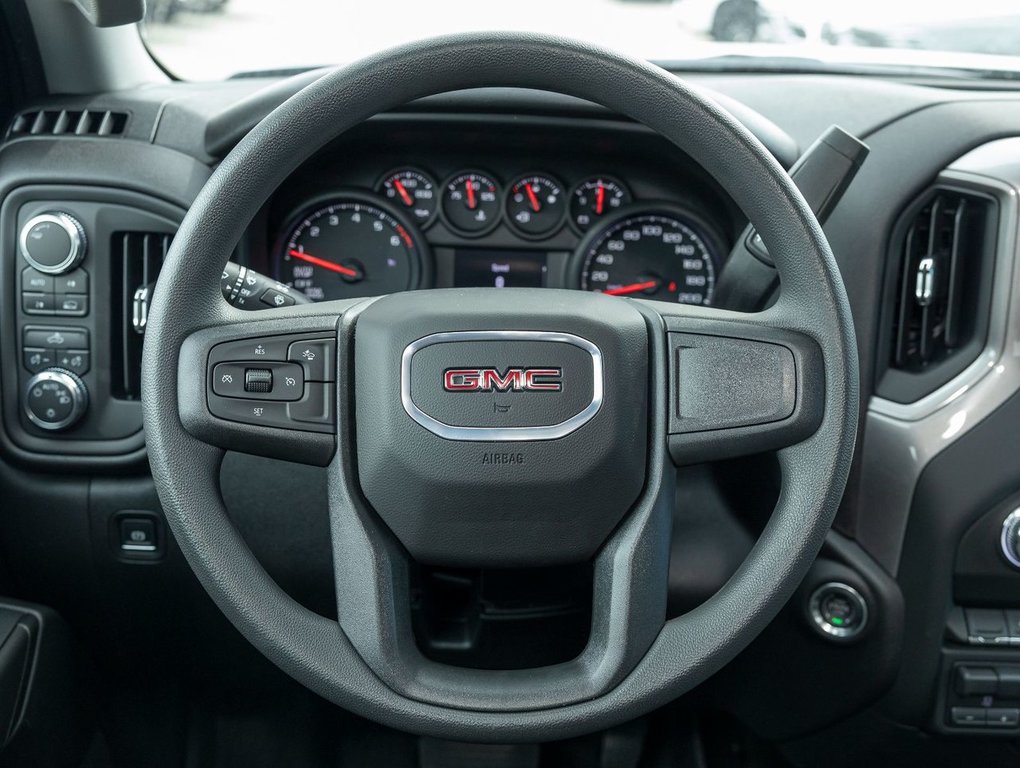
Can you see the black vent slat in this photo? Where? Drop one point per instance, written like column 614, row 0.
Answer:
column 126, row 293
column 138, row 258
column 69, row 122
column 942, row 258
column 903, row 307
column 953, row 330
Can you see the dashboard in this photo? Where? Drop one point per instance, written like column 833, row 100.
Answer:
column 506, row 189
column 406, row 208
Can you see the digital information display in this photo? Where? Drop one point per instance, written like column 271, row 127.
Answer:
column 499, row 268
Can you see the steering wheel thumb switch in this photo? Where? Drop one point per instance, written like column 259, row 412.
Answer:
column 258, row 380
column 838, row 611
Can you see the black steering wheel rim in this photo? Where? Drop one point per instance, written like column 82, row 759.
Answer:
column 316, row 651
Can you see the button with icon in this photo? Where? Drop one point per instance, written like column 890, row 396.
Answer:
column 317, row 358
column 37, row 359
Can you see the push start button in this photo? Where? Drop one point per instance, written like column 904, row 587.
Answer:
column 838, row 611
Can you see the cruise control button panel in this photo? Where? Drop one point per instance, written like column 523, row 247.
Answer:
column 264, row 380
column 275, row 381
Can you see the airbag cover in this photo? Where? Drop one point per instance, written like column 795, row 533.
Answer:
column 501, row 427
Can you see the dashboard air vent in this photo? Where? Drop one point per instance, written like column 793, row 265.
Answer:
column 69, row 122
column 137, row 259
column 944, row 256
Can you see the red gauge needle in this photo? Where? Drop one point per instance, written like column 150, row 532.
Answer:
column 600, row 199
column 332, row 267
column 471, row 195
column 532, row 197
column 623, row 290
column 402, row 191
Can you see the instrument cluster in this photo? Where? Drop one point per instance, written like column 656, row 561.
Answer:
column 358, row 242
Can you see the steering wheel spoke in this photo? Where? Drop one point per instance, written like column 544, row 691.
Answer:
column 266, row 386
column 739, row 383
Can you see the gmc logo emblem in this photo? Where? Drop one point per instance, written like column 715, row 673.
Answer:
column 511, row 380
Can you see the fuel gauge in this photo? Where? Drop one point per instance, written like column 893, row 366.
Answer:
column 535, row 205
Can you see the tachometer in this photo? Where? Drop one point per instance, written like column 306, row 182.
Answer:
column 351, row 245
column 659, row 253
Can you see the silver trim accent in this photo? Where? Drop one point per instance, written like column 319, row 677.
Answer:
column 74, row 233
column 501, row 434
column 924, row 288
column 140, row 308
column 1012, row 521
column 900, row 439
column 839, row 633
column 79, row 398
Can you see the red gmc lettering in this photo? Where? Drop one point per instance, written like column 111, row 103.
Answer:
column 543, row 379
column 461, row 380
column 511, row 380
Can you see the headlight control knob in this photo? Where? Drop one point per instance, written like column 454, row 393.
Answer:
column 53, row 242
column 55, row 399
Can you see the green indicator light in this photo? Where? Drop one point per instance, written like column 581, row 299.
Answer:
column 837, row 621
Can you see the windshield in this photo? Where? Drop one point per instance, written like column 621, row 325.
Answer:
column 215, row 39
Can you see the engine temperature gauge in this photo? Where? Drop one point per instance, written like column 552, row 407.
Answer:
column 413, row 191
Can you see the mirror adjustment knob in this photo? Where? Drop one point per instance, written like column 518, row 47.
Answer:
column 55, row 399
column 1009, row 541
column 53, row 242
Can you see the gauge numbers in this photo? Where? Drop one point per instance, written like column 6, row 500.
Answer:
column 649, row 255
column 348, row 247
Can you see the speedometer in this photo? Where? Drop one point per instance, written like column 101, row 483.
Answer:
column 348, row 246
column 658, row 253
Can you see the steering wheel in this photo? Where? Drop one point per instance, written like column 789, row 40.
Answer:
column 407, row 405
